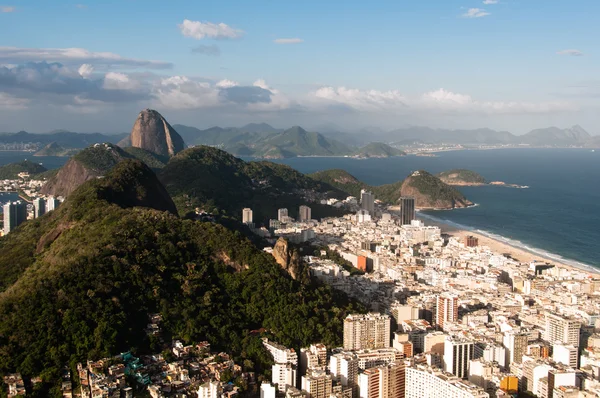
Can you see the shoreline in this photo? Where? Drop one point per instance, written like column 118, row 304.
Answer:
column 501, row 245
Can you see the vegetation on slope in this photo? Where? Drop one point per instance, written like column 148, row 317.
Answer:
column 151, row 159
column 54, row 149
column 93, row 270
column 461, row 177
column 11, row 171
column 220, row 183
column 341, row 180
column 378, row 150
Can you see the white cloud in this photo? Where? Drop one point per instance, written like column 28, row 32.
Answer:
column 475, row 13
column 75, row 56
column 200, row 30
column 434, row 101
column 119, row 81
column 490, row 2
column 288, row 41
column 180, row 92
column 361, row 99
column 9, row 102
column 86, row 70
column 571, row 52
column 225, row 83
column 7, row 9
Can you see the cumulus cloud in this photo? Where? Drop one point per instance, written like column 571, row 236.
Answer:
column 7, row 9
column 200, row 30
column 439, row 100
column 86, row 70
column 207, row 50
column 9, row 102
column 361, row 99
column 475, row 13
column 490, row 2
column 226, row 83
column 571, row 52
column 75, row 56
column 55, row 82
column 288, row 41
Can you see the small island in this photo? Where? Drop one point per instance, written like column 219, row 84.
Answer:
column 464, row 177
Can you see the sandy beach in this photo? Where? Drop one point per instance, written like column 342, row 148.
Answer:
column 517, row 253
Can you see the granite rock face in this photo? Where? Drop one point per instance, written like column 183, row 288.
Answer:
column 153, row 133
column 289, row 259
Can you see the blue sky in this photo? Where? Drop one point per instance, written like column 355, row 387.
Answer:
column 512, row 65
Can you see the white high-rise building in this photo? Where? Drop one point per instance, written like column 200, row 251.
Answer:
column 562, row 330
column 364, row 331
column 209, row 389
column 247, row 216
column 515, row 343
column 282, row 215
column 313, row 358
column 267, row 390
column 565, row 354
column 424, row 382
column 283, row 375
column 15, row 214
column 318, row 384
column 344, row 368
column 52, row 203
column 367, row 201
column 457, row 354
column 39, row 207
column 304, row 214
column 280, row 353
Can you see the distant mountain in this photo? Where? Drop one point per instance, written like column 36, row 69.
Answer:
column 378, row 150
column 555, row 136
column 55, row 149
column 429, row 135
column 262, row 140
column 153, row 133
column 63, row 138
column 428, row 190
column 593, row 142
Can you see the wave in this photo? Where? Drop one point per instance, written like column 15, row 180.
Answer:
column 517, row 244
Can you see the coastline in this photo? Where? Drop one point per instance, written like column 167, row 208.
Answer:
column 502, row 245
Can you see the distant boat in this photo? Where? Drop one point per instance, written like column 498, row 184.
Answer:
column 593, row 150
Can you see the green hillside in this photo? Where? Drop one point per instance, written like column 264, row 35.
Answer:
column 461, row 177
column 218, row 182
column 11, row 171
column 378, row 150
column 80, row 282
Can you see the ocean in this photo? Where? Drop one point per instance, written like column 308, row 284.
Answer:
column 557, row 217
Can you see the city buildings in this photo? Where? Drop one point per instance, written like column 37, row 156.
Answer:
column 39, row 207
column 367, row 201
column 446, row 309
column 407, row 210
column 562, row 329
column 52, row 203
column 282, row 215
column 304, row 214
column 247, row 216
column 457, row 354
column 424, row 382
column 15, row 213
column 368, row 331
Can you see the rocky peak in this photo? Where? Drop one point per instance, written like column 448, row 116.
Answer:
column 289, row 259
column 153, row 133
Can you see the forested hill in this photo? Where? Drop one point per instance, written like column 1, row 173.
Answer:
column 79, row 283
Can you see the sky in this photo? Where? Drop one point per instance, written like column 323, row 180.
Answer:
column 326, row 65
